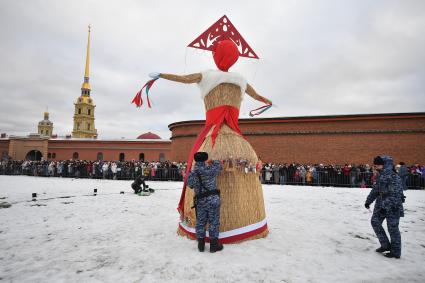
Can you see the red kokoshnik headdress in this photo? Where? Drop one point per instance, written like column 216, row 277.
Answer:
column 221, row 30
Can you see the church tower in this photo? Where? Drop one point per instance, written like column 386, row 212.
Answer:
column 84, row 106
column 45, row 127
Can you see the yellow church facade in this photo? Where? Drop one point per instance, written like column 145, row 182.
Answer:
column 45, row 126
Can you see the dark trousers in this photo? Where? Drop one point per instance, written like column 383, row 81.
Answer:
column 392, row 224
column 208, row 212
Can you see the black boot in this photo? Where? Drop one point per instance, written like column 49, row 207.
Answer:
column 215, row 246
column 382, row 250
column 201, row 244
column 391, row 255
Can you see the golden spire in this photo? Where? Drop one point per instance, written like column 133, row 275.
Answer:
column 86, row 84
column 46, row 113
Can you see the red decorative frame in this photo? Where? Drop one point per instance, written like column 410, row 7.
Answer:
column 221, row 30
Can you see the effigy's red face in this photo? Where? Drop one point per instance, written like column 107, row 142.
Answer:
column 225, row 55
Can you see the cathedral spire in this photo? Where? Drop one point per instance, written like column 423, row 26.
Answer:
column 84, row 106
column 86, row 85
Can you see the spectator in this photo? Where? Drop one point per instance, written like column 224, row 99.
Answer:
column 403, row 173
column 309, row 176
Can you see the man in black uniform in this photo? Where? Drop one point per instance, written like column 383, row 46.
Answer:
column 388, row 193
column 203, row 179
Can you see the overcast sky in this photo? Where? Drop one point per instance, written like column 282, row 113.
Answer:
column 316, row 58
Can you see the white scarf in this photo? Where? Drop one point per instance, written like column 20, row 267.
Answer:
column 212, row 78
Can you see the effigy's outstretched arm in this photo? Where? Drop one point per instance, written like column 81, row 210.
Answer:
column 251, row 92
column 186, row 79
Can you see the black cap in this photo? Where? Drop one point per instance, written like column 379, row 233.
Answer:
column 378, row 161
column 201, row 156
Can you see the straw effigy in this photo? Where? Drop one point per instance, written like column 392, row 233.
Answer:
column 241, row 194
column 242, row 212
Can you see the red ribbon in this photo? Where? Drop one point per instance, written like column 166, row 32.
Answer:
column 138, row 98
column 215, row 117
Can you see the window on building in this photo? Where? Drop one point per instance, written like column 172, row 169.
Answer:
column 75, row 155
column 49, row 155
column 122, row 157
column 53, row 155
column 79, row 110
column 142, row 157
column 89, row 111
column 100, row 156
column 88, row 126
column 42, row 132
column 78, row 125
column 161, row 157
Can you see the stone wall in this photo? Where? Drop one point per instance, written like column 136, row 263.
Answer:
column 322, row 139
column 110, row 149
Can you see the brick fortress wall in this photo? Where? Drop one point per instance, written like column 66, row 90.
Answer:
column 89, row 149
column 322, row 139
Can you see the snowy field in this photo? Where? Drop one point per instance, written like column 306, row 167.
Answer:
column 316, row 235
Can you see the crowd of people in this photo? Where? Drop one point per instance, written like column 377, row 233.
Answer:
column 127, row 170
column 348, row 175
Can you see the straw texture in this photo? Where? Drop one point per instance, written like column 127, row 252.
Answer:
column 223, row 94
column 241, row 193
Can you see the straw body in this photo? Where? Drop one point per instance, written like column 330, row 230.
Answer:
column 242, row 202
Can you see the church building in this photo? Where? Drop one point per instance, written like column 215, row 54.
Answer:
column 84, row 106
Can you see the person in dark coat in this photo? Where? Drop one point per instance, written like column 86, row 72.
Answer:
column 137, row 184
column 388, row 193
column 203, row 179
column 403, row 173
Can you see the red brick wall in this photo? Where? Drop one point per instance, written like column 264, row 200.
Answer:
column 4, row 146
column 332, row 139
column 326, row 139
column 88, row 149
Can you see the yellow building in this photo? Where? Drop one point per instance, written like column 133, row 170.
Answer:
column 45, row 126
column 84, row 106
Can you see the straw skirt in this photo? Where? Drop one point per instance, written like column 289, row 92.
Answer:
column 242, row 202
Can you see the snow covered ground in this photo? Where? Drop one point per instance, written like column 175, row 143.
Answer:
column 316, row 235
